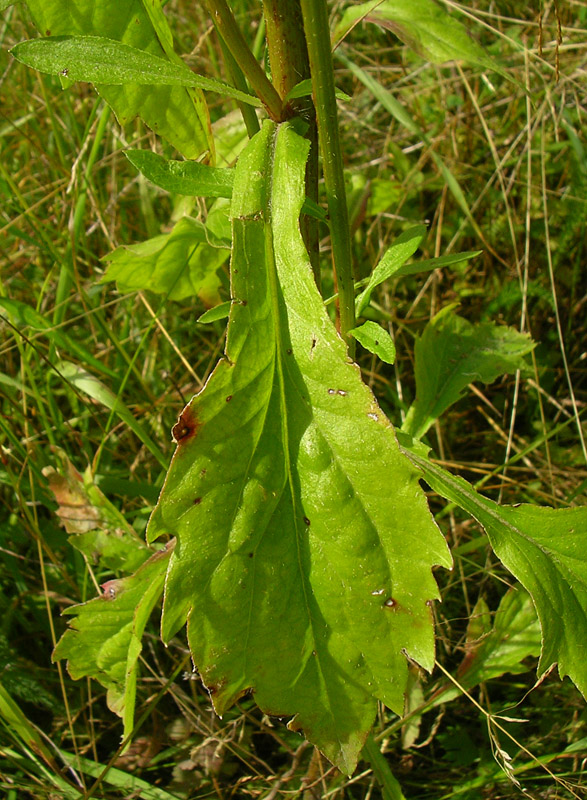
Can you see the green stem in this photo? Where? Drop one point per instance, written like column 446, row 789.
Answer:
column 315, row 16
column 288, row 55
column 226, row 26
column 240, row 82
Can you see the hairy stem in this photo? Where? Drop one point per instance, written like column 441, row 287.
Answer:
column 228, row 29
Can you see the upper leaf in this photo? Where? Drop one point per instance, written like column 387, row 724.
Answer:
column 304, row 542
column 178, row 114
column 183, row 177
column 96, row 59
column 546, row 550
column 451, row 354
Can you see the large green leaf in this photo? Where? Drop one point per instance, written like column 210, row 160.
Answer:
column 177, row 113
column 304, row 542
column 104, row 640
column 423, row 25
column 451, row 354
column 179, row 264
column 546, row 550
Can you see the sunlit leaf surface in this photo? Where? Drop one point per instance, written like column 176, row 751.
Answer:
column 304, row 542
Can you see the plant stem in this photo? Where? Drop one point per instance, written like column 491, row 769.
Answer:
column 228, row 29
column 238, row 79
column 288, row 55
column 315, row 17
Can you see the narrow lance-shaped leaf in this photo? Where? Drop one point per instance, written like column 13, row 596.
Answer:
column 177, row 113
column 98, row 60
column 451, row 354
column 304, row 542
column 546, row 550
column 195, row 179
column 395, row 256
column 183, row 177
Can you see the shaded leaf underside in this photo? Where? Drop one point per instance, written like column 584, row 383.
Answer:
column 546, row 550
column 304, row 542
column 178, row 114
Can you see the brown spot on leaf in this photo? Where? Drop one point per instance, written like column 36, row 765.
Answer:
column 229, row 398
column 186, row 426
column 47, row 32
column 110, row 589
column 197, row 501
column 390, row 603
column 306, row 520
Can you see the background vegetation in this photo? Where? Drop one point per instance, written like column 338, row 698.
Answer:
column 70, row 345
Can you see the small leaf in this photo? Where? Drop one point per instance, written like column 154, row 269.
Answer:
column 98, row 60
column 304, row 544
column 546, row 550
column 423, row 25
column 376, row 340
column 183, row 177
column 213, row 314
column 179, row 264
column 304, row 89
column 96, row 527
column 436, row 263
column 104, row 640
column 196, row 180
column 451, row 354
column 395, row 256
